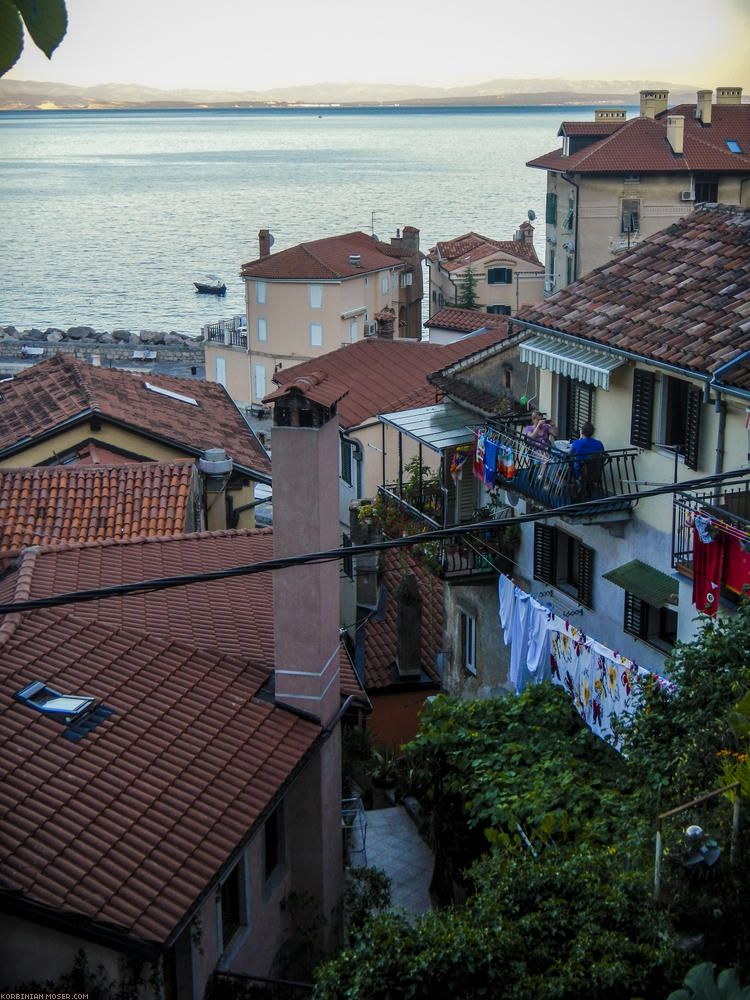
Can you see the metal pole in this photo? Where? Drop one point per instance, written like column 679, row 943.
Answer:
column 657, row 861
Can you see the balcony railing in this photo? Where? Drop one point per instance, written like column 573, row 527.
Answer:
column 729, row 507
column 427, row 506
column 554, row 478
column 230, row 332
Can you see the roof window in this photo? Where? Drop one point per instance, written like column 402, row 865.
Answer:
column 733, row 146
column 61, row 706
column 172, row 395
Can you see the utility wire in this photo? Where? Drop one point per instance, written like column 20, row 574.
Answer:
column 331, row 555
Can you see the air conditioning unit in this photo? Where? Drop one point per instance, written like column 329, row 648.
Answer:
column 371, row 329
column 687, row 195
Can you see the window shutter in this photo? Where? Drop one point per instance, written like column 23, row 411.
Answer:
column 551, row 214
column 635, row 615
column 581, row 406
column 545, row 552
column 692, row 426
column 643, row 408
column 585, row 574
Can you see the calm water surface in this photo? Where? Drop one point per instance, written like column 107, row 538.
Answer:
column 108, row 217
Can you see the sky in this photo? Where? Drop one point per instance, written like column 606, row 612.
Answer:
column 239, row 45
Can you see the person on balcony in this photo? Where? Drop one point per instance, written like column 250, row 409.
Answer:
column 540, row 431
column 588, row 454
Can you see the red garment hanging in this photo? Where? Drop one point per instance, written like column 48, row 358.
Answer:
column 707, row 566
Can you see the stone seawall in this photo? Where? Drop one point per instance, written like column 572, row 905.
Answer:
column 86, row 343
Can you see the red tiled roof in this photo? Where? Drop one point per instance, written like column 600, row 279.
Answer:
column 63, row 503
column 465, row 320
column 382, row 373
column 452, row 254
column 681, row 297
column 316, row 386
column 63, row 391
column 640, row 145
column 381, row 636
column 589, row 128
column 326, row 259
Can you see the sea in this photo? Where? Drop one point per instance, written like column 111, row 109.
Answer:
column 108, row 217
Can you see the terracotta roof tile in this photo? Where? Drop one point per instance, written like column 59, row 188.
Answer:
column 63, row 391
column 325, row 259
column 466, row 320
column 679, row 296
column 453, row 254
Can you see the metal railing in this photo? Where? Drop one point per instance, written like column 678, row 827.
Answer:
column 230, row 332
column 729, row 506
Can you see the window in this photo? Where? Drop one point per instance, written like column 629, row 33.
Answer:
column 316, row 296
column 220, row 370
column 260, row 292
column 172, row 395
column 259, row 382
column 656, row 626
column 384, row 284
column 45, row 699
column 706, row 187
column 273, row 842
column 352, row 331
column 499, row 276
column 499, row 310
column 262, row 328
column 565, row 562
column 232, row 905
column 569, row 277
column 551, row 209
column 680, row 407
column 347, row 562
column 346, row 461
column 575, row 406
column 406, row 279
column 631, row 216
column 570, row 215
column 641, row 414
column 316, row 335
column 551, row 275
column 469, row 642
column 733, row 146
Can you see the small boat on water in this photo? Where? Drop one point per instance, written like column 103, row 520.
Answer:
column 211, row 286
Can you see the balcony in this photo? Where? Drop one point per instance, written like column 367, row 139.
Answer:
column 228, row 332
column 553, row 478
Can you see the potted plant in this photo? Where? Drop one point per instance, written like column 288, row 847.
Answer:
column 383, row 774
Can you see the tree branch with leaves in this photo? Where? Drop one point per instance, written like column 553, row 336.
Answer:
column 46, row 21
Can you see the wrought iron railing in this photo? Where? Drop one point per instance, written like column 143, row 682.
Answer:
column 230, row 332
column 427, row 506
column 554, row 478
column 729, row 506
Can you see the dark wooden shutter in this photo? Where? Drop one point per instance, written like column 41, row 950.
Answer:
column 635, row 615
column 643, row 408
column 692, row 426
column 545, row 553
column 551, row 213
column 580, row 406
column 585, row 574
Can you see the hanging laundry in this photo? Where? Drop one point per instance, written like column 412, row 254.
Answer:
column 707, row 566
column 460, row 457
column 736, row 562
column 505, row 599
column 510, row 463
column 490, row 460
column 479, row 440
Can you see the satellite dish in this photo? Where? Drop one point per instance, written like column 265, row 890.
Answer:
column 531, row 214
column 271, row 240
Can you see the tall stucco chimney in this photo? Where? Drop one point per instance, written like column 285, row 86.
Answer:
column 729, row 95
column 264, row 243
column 653, row 102
column 676, row 133
column 703, row 106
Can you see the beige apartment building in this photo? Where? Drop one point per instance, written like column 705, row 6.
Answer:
column 508, row 274
column 311, row 299
column 615, row 182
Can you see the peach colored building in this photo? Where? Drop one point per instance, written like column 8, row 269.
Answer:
column 311, row 299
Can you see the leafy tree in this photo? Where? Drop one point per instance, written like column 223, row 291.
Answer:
column 701, row 985
column 467, row 296
column 45, row 20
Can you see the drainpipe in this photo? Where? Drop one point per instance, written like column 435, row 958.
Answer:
column 569, row 179
column 721, row 409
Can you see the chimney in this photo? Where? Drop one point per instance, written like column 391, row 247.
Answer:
column 410, row 241
column 409, row 627
column 216, row 469
column 306, row 519
column 524, row 234
column 610, row 114
column 703, row 106
column 355, row 260
column 729, row 95
column 264, row 243
column 675, row 133
column 386, row 320
column 653, row 102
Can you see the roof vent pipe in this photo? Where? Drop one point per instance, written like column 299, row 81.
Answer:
column 215, row 462
column 355, row 260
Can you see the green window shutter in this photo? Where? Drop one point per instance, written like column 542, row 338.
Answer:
column 692, row 426
column 551, row 214
column 585, row 575
column 545, row 553
column 643, row 407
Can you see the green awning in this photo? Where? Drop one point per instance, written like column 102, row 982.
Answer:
column 645, row 582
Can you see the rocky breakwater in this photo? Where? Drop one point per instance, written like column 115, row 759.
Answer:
column 85, row 342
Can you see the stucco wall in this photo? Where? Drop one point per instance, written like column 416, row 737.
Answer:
column 492, row 656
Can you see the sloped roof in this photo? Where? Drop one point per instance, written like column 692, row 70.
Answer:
column 465, row 320
column 453, row 254
column 63, row 503
column 325, row 260
column 129, row 824
column 381, row 631
column 382, row 374
column 640, row 145
column 63, row 391
column 680, row 297
column 317, row 386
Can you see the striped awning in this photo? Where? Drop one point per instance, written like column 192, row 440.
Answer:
column 587, row 364
column 645, row 582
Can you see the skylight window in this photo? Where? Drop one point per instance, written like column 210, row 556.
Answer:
column 733, row 146
column 62, row 706
column 172, row 395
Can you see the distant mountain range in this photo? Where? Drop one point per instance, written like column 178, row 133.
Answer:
column 25, row 95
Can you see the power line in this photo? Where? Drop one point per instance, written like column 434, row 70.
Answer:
column 332, row 555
